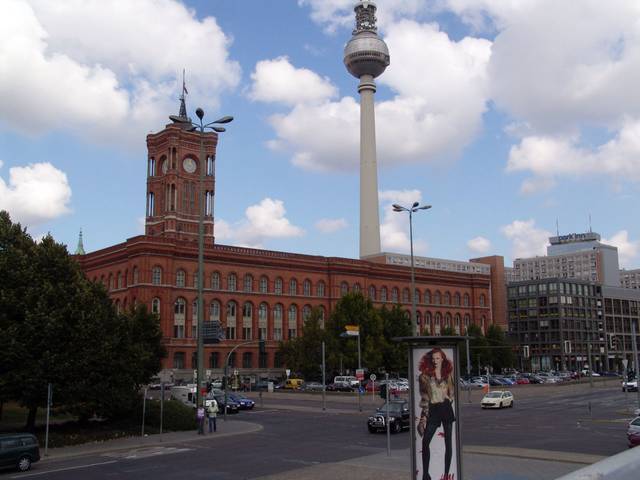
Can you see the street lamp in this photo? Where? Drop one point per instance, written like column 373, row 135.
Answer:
column 201, row 127
column 414, row 208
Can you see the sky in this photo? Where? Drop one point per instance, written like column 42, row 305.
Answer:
column 512, row 118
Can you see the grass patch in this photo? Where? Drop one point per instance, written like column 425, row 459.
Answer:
column 69, row 431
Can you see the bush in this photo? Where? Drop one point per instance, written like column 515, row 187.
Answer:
column 177, row 416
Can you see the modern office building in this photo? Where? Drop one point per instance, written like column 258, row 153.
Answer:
column 630, row 278
column 580, row 256
column 560, row 323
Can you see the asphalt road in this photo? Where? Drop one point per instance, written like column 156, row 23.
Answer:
column 558, row 419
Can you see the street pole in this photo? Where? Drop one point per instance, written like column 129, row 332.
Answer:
column 200, row 355
column 413, row 278
column 635, row 356
column 468, row 367
column 386, row 376
column 590, row 364
column 144, row 410
column 359, row 368
column 161, row 407
column 324, row 381
column 46, row 436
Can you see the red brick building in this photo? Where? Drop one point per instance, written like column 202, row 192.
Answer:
column 256, row 294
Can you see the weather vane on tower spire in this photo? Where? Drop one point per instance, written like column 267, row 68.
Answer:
column 182, row 116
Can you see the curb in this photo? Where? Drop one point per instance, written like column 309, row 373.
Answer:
column 532, row 454
column 247, row 427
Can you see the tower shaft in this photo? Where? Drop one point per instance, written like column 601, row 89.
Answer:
column 369, row 216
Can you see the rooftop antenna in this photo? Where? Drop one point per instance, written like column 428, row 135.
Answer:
column 557, row 228
column 590, row 231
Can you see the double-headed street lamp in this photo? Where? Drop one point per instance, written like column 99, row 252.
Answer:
column 414, row 208
column 201, row 127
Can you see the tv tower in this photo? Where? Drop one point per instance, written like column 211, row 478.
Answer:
column 366, row 56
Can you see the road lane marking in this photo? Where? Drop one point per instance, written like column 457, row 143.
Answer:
column 77, row 467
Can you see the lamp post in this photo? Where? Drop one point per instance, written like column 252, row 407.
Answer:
column 414, row 208
column 201, row 127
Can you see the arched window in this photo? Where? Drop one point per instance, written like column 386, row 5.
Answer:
column 231, row 282
column 278, row 286
column 438, row 321
column 248, row 283
column 178, row 318
column 465, row 300
column 247, row 316
column 320, row 289
column 306, row 288
column 419, row 320
column 247, row 360
column 277, row 321
column 293, row 287
column 118, row 307
column 151, row 167
column 467, row 321
column 264, row 284
column 155, row 306
column 136, row 275
column 120, row 280
column 180, row 278
column 447, row 298
column 344, row 289
column 306, row 313
column 293, row 321
column 231, row 320
column 394, row 295
column 427, row 323
column 427, row 297
column 372, row 292
column 210, row 164
column 356, row 287
column 111, row 283
column 416, row 292
column 383, row 294
column 447, row 320
column 195, row 279
column 405, row 295
column 215, row 281
column 482, row 323
column 178, row 360
column 456, row 299
column 263, row 315
column 436, row 298
column 214, row 311
column 482, row 300
column 323, row 315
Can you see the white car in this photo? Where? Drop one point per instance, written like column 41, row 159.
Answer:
column 497, row 399
column 630, row 385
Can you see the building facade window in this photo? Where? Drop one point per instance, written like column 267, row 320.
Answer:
column 248, row 283
column 214, row 311
column 383, row 294
column 456, row 299
column 180, row 278
column 264, row 284
column 292, row 321
column 405, row 295
column 465, row 300
column 178, row 360
column 247, row 320
column 447, row 298
column 214, row 360
column 278, row 286
column 356, row 287
column 215, row 281
column 120, row 280
column 394, row 295
column 306, row 313
column 231, row 282
column 320, row 289
column 293, row 287
column 427, row 297
column 344, row 289
column 155, row 306
column 247, row 361
column 277, row 321
column 372, row 292
column 263, row 315
column 437, row 298
column 231, row 320
column 306, row 288
column 482, row 300
column 178, row 318
column 136, row 275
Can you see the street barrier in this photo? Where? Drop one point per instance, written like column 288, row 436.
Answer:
column 623, row 466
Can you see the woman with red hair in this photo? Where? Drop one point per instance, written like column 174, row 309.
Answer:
column 437, row 392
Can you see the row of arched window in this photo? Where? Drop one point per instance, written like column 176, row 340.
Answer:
column 292, row 287
column 216, row 360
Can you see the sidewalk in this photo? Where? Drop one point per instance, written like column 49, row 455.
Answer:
column 225, row 429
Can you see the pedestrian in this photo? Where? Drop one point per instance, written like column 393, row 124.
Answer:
column 437, row 393
column 212, row 413
column 200, row 419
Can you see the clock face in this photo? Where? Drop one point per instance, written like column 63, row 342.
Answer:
column 189, row 165
column 165, row 166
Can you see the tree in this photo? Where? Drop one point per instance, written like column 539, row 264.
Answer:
column 479, row 353
column 303, row 354
column 59, row 328
column 502, row 355
column 396, row 323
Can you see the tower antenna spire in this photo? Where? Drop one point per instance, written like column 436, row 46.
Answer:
column 182, row 117
column 80, row 247
column 557, row 227
column 590, row 230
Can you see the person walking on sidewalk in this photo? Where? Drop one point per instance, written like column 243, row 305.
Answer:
column 212, row 413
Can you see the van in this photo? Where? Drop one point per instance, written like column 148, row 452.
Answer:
column 185, row 394
column 293, row 383
column 346, row 381
column 18, row 450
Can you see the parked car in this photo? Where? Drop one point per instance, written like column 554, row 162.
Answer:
column 18, row 450
column 339, row 387
column 497, row 399
column 630, row 385
column 293, row 384
column 399, row 417
column 347, row 380
column 633, row 432
column 523, row 381
column 370, row 386
column 243, row 402
column 313, row 387
column 231, row 405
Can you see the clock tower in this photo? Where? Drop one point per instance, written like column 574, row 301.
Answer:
column 173, row 186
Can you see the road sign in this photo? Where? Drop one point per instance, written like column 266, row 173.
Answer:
column 373, row 377
column 360, row 373
column 288, row 372
column 352, row 330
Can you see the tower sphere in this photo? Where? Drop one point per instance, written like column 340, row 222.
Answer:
column 366, row 53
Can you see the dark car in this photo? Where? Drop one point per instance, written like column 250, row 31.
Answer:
column 339, row 387
column 18, row 450
column 231, row 405
column 399, row 417
column 243, row 402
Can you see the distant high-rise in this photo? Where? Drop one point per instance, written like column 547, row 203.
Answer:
column 366, row 56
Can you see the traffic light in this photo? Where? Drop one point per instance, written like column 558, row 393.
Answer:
column 383, row 391
column 261, row 347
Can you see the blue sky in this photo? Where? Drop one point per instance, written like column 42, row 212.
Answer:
column 493, row 112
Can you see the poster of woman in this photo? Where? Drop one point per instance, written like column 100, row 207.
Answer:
column 434, row 371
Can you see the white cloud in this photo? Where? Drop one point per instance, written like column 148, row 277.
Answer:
column 279, row 81
column 479, row 245
column 441, row 96
column 627, row 249
column 394, row 229
column 35, row 193
column 330, row 225
column 119, row 78
column 526, row 239
column 549, row 157
column 262, row 222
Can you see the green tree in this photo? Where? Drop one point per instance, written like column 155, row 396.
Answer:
column 502, row 355
column 479, row 353
column 396, row 323
column 303, row 354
